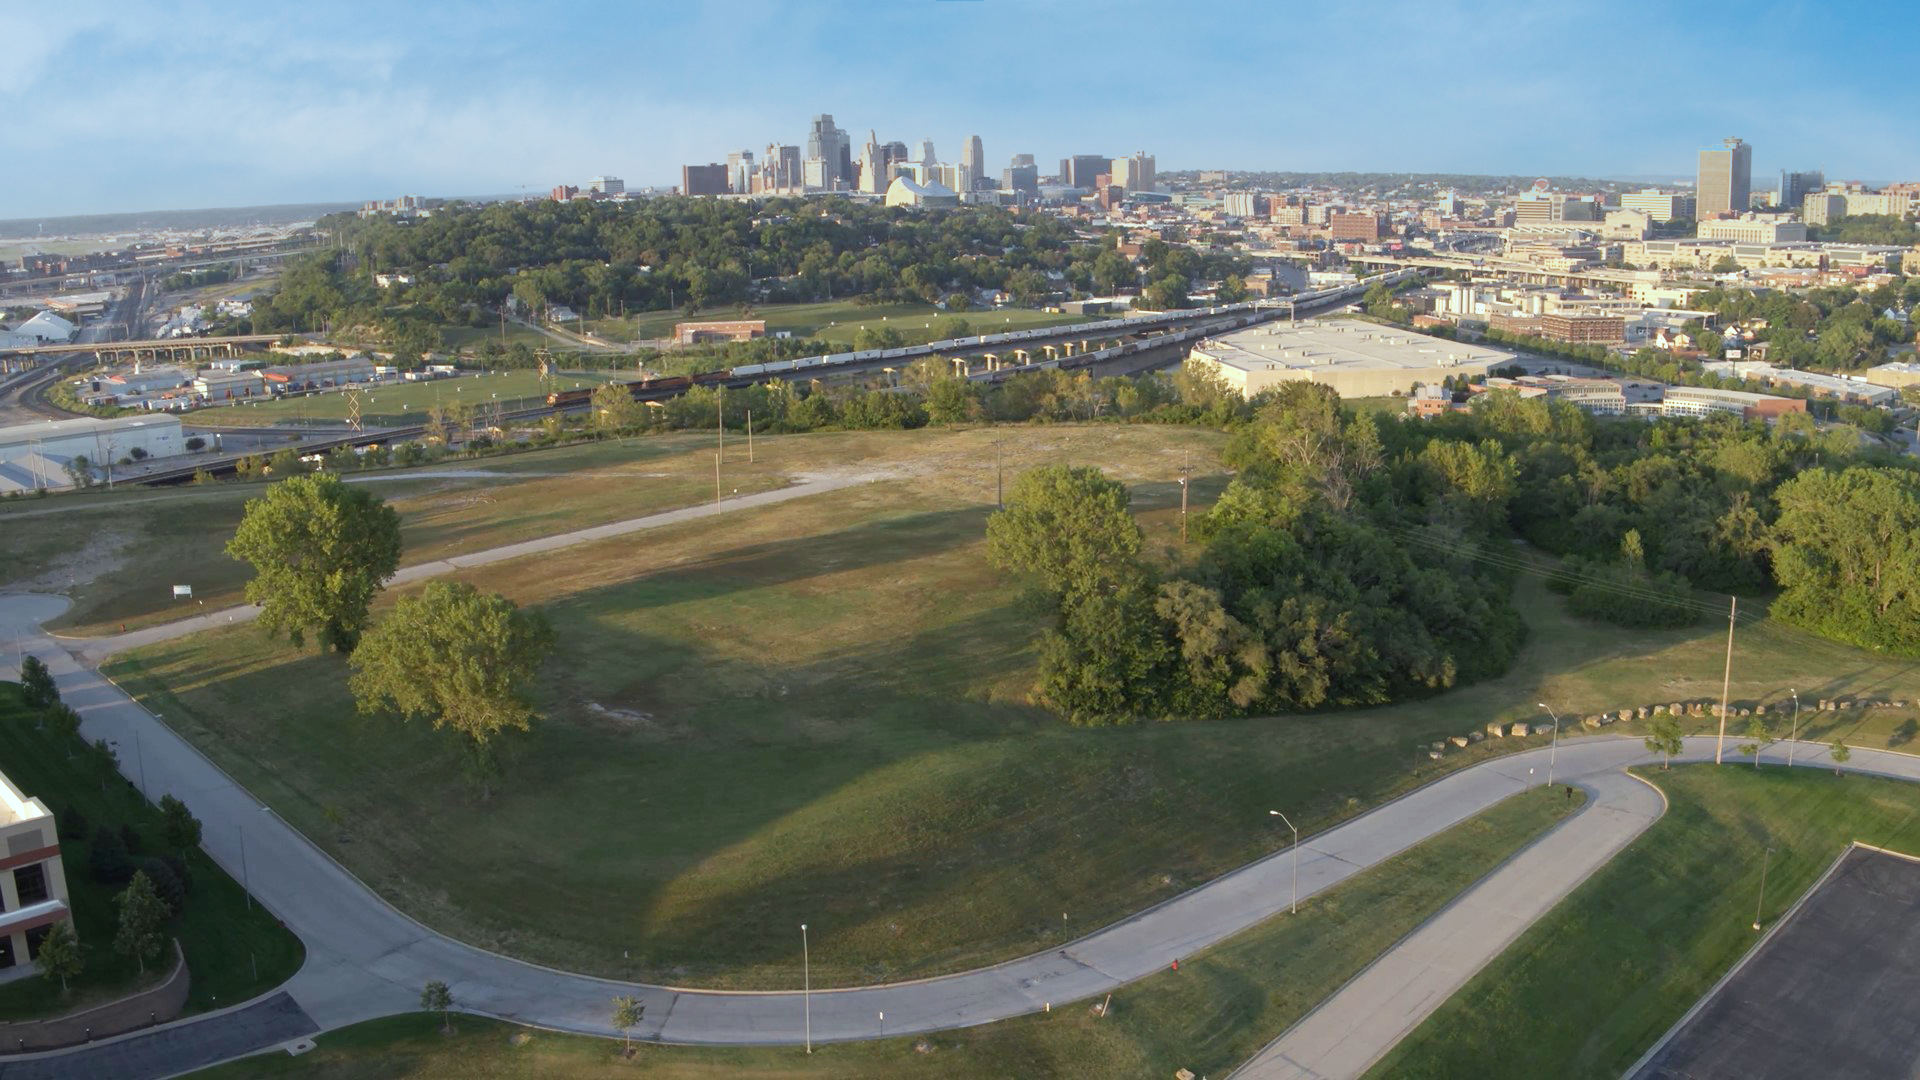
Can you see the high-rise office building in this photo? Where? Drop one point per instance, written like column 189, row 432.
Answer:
column 779, row 168
column 973, row 159
column 1725, row 184
column 1134, row 173
column 827, row 145
column 1083, row 170
column 1660, row 205
column 740, row 172
column 894, row 153
column 928, row 159
column 873, row 166
column 1024, row 179
column 607, row 185
column 1796, row 186
column 1024, row 161
column 703, row 179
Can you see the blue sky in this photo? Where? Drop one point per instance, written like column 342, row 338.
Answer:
column 139, row 106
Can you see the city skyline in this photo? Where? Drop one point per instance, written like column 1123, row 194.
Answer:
column 347, row 103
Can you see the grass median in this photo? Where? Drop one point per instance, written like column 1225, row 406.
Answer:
column 1220, row 1008
column 1589, row 987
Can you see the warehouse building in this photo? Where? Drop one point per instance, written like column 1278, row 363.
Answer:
column 1356, row 359
column 37, row 455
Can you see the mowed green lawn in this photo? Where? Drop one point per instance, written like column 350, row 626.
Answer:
column 1221, row 1007
column 396, row 404
column 1591, row 986
column 837, row 321
column 818, row 712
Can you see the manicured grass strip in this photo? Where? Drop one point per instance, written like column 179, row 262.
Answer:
column 1216, row 1011
column 223, row 940
column 1587, row 989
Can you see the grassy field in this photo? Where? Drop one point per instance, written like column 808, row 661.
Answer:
column 401, row 403
column 221, row 936
column 118, row 553
column 836, row 321
column 822, row 708
column 1216, row 1011
column 1619, row 961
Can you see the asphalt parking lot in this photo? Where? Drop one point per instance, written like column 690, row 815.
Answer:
column 1835, row 992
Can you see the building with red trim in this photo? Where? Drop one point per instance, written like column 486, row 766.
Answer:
column 33, row 886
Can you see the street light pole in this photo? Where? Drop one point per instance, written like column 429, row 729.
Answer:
column 1295, row 910
column 1553, row 751
column 806, row 985
column 1796, row 727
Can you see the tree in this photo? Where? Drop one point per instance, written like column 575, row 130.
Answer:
column 142, row 913
column 64, row 723
column 62, row 956
column 1846, row 551
column 1663, row 737
column 178, row 824
column 321, row 549
column 1066, row 526
column 1759, row 737
column 454, row 657
column 80, row 471
column 37, row 685
column 436, row 997
column 627, row 1014
column 614, row 408
column 1841, row 754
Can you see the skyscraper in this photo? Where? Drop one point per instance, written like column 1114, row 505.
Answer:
column 873, row 166
column 928, row 159
column 740, row 171
column 1134, row 173
column 1081, row 170
column 1725, row 185
column 1026, row 160
column 780, row 169
column 827, row 145
column 973, row 160
column 1796, row 186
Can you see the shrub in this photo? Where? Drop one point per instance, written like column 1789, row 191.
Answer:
column 166, row 884
column 107, row 858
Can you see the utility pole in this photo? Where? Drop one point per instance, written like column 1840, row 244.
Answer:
column 749, row 436
column 716, row 481
column 1185, row 469
column 720, row 417
column 1726, row 679
column 999, row 478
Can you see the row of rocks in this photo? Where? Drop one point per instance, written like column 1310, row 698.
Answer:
column 1500, row 730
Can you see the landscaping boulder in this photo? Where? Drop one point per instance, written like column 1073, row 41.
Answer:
column 1476, row 736
column 1496, row 729
column 1517, row 729
column 1659, row 710
column 1434, row 754
column 1625, row 714
column 1591, row 721
column 1643, row 712
column 1459, row 741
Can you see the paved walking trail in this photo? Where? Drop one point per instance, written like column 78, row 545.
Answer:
column 365, row 959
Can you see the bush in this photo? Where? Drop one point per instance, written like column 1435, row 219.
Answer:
column 107, row 858
column 130, row 837
column 73, row 824
column 166, row 884
column 196, row 443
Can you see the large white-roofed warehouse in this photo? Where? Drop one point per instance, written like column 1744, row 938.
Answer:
column 37, row 455
column 1357, row 359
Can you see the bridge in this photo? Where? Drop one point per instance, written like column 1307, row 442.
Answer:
column 154, row 348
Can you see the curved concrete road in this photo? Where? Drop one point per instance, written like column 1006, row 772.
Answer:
column 365, row 959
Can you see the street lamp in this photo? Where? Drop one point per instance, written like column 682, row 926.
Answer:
column 1553, row 751
column 806, row 985
column 1760, row 903
column 1296, row 861
column 1796, row 726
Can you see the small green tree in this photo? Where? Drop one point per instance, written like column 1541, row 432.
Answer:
column 64, row 724
column 62, row 956
column 1067, row 527
column 614, row 408
column 178, row 825
column 1663, row 737
column 1759, row 737
column 454, row 657
column 142, row 913
column 1841, row 754
column 627, row 1014
column 321, row 550
column 436, row 997
column 36, row 683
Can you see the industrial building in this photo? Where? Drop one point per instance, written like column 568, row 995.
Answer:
column 696, row 333
column 37, row 455
column 1356, row 359
column 33, row 885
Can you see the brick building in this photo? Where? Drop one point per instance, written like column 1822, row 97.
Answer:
column 33, row 887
